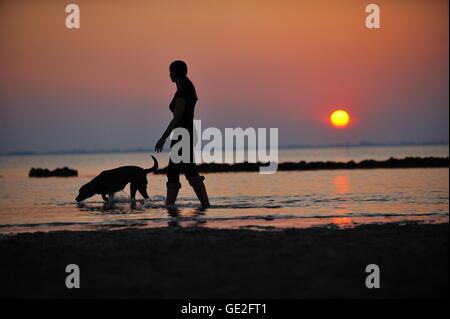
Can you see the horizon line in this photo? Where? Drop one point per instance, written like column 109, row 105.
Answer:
column 287, row 146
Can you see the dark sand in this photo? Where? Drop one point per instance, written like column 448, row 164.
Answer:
column 206, row 263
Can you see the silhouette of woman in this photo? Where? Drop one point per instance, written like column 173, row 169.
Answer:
column 182, row 106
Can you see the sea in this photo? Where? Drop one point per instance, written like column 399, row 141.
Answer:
column 249, row 200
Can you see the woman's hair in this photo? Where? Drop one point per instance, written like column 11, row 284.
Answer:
column 179, row 69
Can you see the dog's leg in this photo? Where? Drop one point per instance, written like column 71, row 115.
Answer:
column 143, row 191
column 104, row 197
column 133, row 189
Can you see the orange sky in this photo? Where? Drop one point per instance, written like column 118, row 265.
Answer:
column 283, row 64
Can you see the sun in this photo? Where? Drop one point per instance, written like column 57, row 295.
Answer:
column 340, row 118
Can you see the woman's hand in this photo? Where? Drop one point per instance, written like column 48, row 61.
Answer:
column 160, row 145
column 177, row 115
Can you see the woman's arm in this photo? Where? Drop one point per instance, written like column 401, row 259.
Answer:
column 180, row 104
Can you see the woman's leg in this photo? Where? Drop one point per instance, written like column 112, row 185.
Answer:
column 196, row 181
column 173, row 182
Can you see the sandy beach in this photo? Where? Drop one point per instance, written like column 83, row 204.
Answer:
column 212, row 263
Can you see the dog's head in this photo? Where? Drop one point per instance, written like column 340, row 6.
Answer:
column 86, row 191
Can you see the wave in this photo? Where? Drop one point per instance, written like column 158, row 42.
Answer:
column 144, row 221
column 268, row 201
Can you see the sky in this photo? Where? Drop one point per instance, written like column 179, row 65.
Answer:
column 284, row 64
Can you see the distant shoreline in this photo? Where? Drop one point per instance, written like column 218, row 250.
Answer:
column 149, row 150
column 408, row 162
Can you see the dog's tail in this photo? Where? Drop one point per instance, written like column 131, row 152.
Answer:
column 154, row 168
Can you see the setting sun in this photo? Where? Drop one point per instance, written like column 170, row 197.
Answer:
column 340, row 118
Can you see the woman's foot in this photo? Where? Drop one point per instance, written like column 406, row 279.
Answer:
column 202, row 195
column 172, row 193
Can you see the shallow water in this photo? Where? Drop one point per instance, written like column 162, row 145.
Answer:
column 335, row 198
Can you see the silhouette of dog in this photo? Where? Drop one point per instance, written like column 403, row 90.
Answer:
column 114, row 180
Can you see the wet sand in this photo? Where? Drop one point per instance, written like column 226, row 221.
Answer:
column 212, row 263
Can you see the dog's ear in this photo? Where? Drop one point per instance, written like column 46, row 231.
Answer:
column 85, row 189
